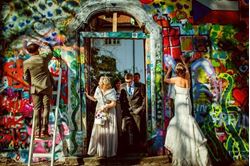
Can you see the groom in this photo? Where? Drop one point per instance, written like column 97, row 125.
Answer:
column 132, row 101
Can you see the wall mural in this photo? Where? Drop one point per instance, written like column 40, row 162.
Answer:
column 46, row 21
column 217, row 50
column 218, row 107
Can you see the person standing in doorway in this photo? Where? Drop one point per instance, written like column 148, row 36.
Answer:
column 38, row 76
column 137, row 78
column 132, row 101
column 104, row 136
column 117, row 87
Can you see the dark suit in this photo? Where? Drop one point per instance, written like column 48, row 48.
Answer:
column 37, row 74
column 133, row 106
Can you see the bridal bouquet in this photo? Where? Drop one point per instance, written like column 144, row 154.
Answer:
column 101, row 118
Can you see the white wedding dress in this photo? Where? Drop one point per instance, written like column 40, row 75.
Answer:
column 184, row 137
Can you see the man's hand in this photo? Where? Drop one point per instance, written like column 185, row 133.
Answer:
column 135, row 111
column 25, row 43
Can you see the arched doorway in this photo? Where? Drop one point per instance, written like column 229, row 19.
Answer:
column 152, row 47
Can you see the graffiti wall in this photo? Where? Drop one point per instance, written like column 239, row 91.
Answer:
column 214, row 41
column 26, row 22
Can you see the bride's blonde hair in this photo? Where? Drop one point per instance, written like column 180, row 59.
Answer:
column 106, row 83
column 180, row 70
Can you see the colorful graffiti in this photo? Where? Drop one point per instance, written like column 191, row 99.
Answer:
column 209, row 49
column 216, row 47
column 16, row 108
column 175, row 10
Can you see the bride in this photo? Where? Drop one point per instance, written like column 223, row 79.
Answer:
column 184, row 138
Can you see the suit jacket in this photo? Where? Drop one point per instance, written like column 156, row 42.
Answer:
column 136, row 102
column 37, row 74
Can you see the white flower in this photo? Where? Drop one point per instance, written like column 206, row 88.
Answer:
column 101, row 117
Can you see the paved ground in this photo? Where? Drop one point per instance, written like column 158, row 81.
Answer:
column 119, row 161
column 135, row 160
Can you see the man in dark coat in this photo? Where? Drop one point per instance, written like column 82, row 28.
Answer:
column 132, row 101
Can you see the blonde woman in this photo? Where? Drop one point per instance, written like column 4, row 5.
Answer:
column 104, row 136
column 184, row 137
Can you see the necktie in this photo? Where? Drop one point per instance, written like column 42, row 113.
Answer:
column 130, row 90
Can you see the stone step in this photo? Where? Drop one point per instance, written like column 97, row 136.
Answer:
column 121, row 160
column 131, row 160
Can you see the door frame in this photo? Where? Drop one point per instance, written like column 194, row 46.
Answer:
column 84, row 55
column 154, row 51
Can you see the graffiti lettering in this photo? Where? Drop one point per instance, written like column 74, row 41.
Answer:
column 11, row 121
column 13, row 138
column 14, row 72
column 15, row 105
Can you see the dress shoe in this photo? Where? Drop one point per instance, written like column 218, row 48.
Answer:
column 45, row 135
column 37, row 134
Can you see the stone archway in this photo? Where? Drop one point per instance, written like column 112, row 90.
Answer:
column 154, row 44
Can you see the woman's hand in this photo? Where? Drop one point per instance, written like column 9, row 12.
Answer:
column 187, row 76
column 90, row 97
column 166, row 78
column 169, row 68
column 104, row 108
column 182, row 58
column 86, row 94
column 98, row 112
